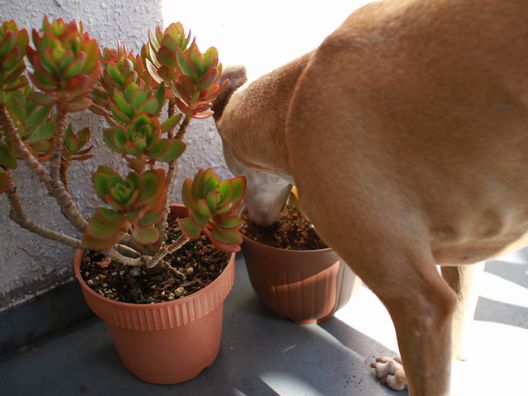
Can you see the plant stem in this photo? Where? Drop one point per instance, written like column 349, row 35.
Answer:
column 167, row 249
column 172, row 171
column 183, row 126
column 64, row 173
column 63, row 198
column 19, row 217
column 60, row 192
column 170, row 112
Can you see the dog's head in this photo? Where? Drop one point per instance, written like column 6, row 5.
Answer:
column 266, row 192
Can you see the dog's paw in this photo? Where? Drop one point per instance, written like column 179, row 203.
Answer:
column 390, row 372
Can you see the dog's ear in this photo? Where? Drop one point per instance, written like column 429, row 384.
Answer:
column 235, row 77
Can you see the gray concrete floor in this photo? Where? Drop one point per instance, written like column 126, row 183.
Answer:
column 264, row 355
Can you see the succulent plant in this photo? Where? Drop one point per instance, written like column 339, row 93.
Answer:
column 13, row 44
column 65, row 64
column 192, row 77
column 68, row 74
column 212, row 206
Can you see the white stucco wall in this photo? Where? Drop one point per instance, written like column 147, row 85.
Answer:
column 30, row 265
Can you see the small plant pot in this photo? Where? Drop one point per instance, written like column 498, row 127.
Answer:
column 305, row 286
column 169, row 342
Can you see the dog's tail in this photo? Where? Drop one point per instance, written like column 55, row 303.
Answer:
column 235, row 77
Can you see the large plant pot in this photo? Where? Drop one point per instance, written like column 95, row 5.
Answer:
column 168, row 342
column 306, row 286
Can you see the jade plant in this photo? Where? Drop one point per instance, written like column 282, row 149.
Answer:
column 147, row 100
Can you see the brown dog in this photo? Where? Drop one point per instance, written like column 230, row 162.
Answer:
column 406, row 133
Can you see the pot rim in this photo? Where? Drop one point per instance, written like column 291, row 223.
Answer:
column 299, row 251
column 77, row 269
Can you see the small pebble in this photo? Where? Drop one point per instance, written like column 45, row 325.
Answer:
column 190, row 270
column 179, row 291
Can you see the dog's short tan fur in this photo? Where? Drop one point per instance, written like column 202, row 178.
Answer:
column 406, row 133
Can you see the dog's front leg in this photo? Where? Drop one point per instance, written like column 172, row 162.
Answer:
column 462, row 280
column 422, row 315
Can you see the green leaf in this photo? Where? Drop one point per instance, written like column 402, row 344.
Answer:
column 75, row 67
column 151, row 106
column 42, row 99
column 238, row 188
column 167, row 57
column 43, row 132
column 99, row 226
column 191, row 205
column 189, row 228
column 212, row 200
column 227, row 237
column 110, row 215
column 16, row 101
column 115, row 74
column 118, row 114
column 150, row 217
column 229, row 222
column 160, row 95
column 203, row 209
column 119, row 138
column 139, row 99
column 70, row 140
column 186, row 65
column 42, row 147
column 152, row 183
column 146, row 235
column 108, row 138
column 101, row 180
column 153, row 71
column 78, row 105
column 122, row 104
column 223, row 246
column 37, row 117
column 8, row 42
column 167, row 150
column 171, row 122
column 7, row 157
column 14, row 74
column 83, row 135
column 210, row 182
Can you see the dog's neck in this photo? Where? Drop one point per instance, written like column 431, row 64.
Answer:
column 253, row 122
column 252, row 126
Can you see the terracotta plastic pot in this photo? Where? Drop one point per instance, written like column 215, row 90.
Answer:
column 168, row 342
column 306, row 286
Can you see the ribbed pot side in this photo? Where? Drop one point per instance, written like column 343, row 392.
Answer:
column 305, row 286
column 169, row 342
